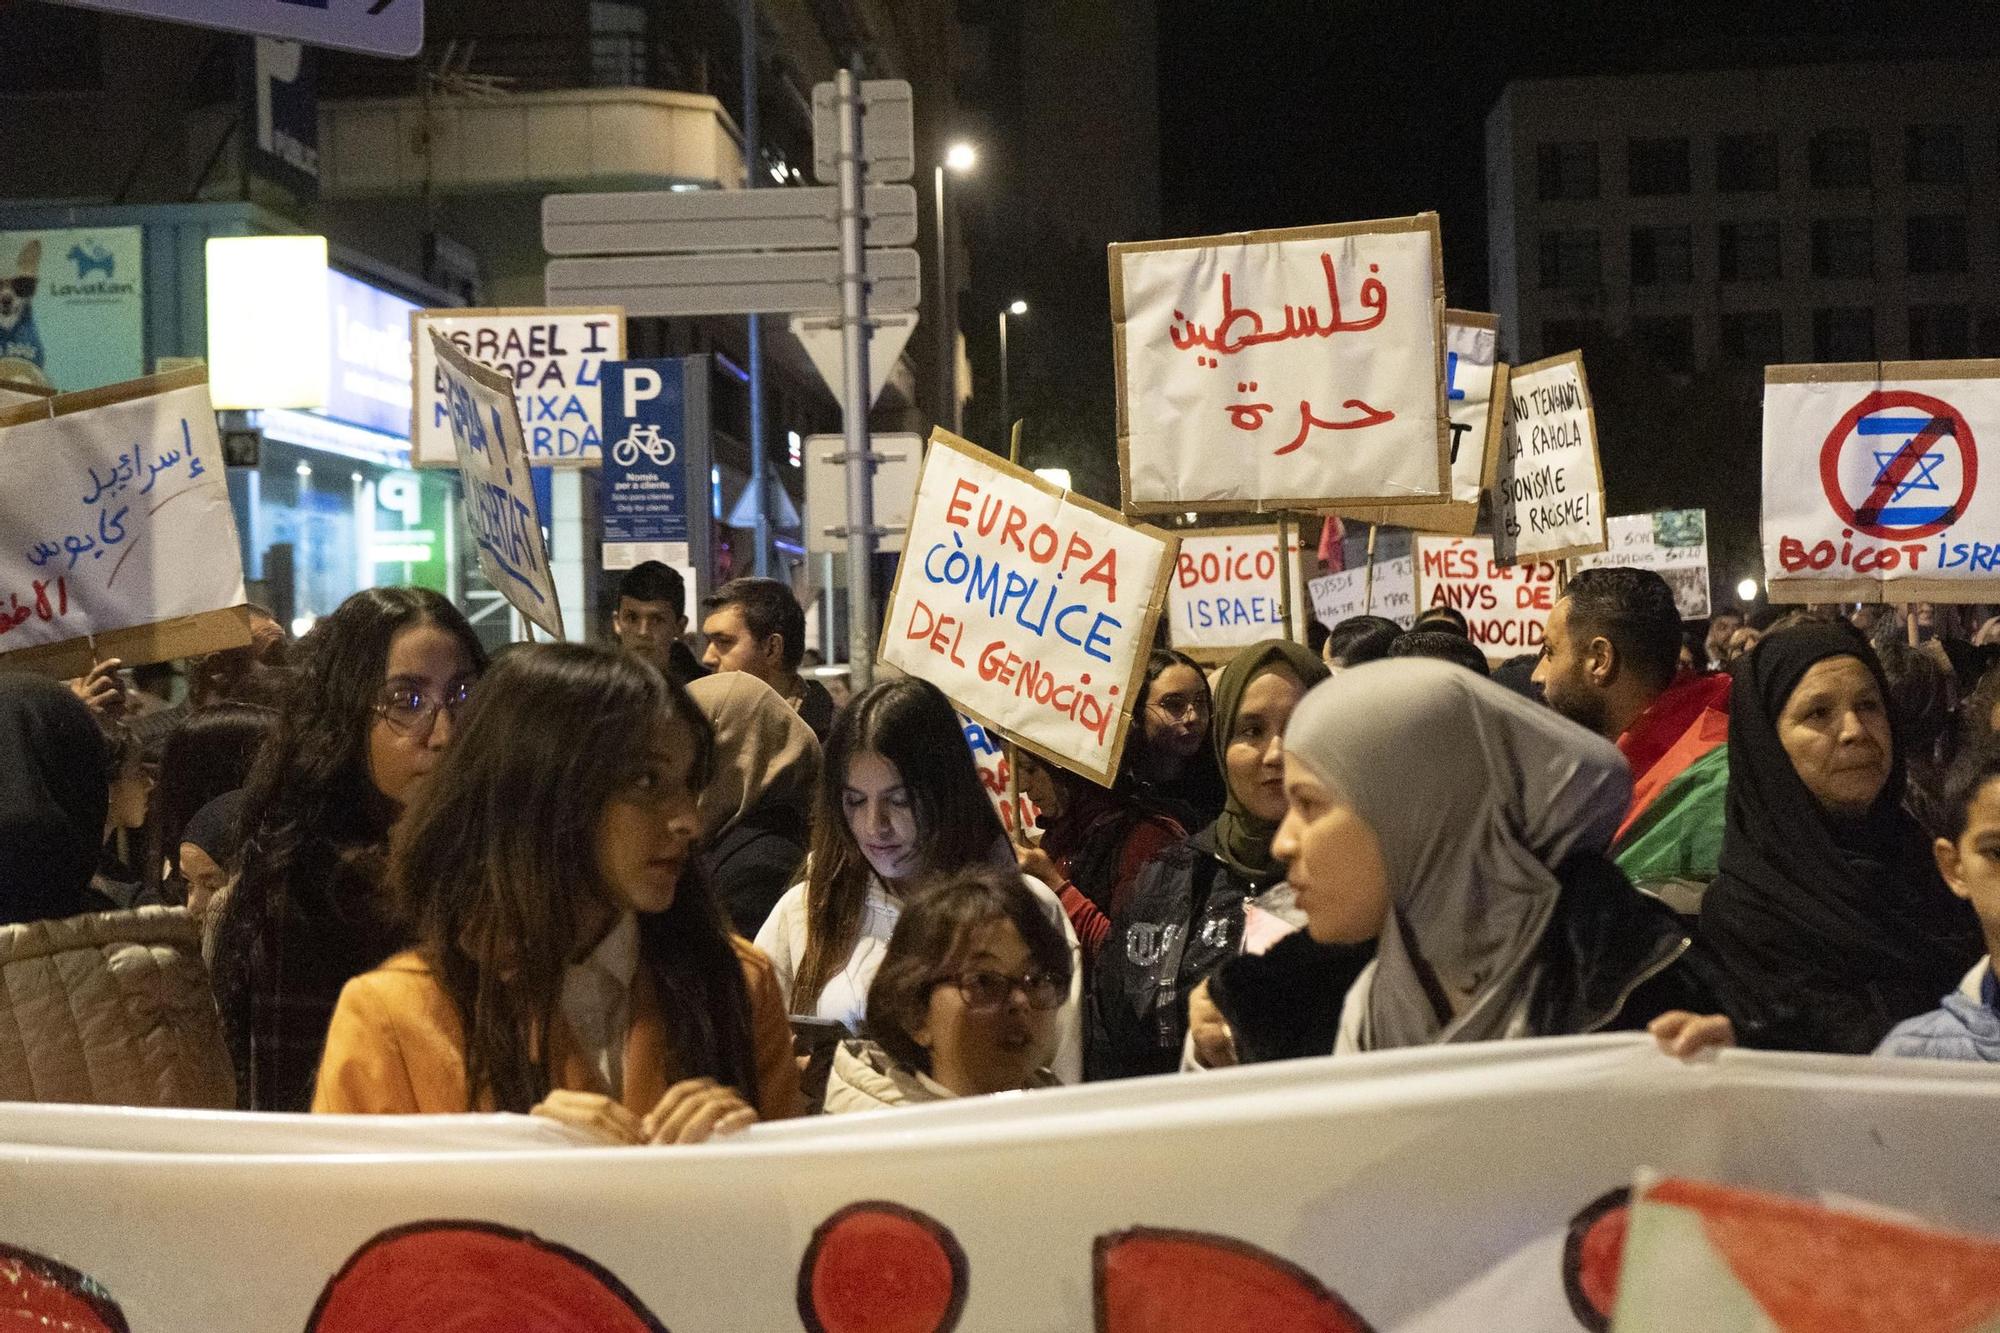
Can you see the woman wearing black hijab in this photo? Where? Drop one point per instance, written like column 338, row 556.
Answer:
column 53, row 798
column 1829, row 912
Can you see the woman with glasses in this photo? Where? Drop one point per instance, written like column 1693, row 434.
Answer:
column 965, row 1002
column 1172, row 766
column 377, row 689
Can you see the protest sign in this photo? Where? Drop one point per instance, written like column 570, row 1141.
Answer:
column 1242, row 385
column 1506, row 607
column 1871, row 482
column 643, row 490
column 1475, row 390
column 555, row 358
column 116, row 537
column 996, row 775
column 499, row 495
column 1433, row 1189
column 1548, row 495
column 1347, row 593
column 1031, row 607
column 1673, row 543
column 1225, row 596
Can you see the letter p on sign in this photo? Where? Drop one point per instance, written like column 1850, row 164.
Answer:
column 641, row 384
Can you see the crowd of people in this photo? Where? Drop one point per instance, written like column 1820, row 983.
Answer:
column 659, row 896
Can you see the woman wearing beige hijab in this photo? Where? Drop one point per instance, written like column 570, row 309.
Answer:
column 755, row 812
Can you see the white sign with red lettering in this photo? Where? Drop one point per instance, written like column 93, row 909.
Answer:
column 1282, row 369
column 1225, row 592
column 1548, row 497
column 1346, row 593
column 1031, row 607
column 1506, row 607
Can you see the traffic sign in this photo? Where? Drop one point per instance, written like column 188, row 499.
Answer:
column 372, row 27
column 655, row 222
column 1900, row 465
column 898, row 463
column 769, row 283
column 888, row 134
column 821, row 336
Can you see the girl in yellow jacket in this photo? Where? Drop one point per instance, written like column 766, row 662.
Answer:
column 571, row 959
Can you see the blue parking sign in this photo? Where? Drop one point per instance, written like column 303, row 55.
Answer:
column 644, row 497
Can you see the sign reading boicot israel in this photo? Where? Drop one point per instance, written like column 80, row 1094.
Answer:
column 1225, row 593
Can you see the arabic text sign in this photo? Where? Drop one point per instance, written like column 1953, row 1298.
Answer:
column 1287, row 369
column 1673, row 543
column 1506, row 607
column 499, row 493
column 118, row 518
column 1224, row 595
column 1548, row 497
column 1347, row 593
column 1031, row 608
column 555, row 358
column 1872, row 485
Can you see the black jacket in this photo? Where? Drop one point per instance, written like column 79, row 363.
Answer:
column 753, row 863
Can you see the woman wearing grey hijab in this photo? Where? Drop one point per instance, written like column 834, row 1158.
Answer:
column 1467, row 826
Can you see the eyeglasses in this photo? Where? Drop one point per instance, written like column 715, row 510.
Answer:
column 987, row 991
column 413, row 711
column 1178, row 706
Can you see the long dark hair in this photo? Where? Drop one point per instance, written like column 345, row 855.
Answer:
column 495, row 869
column 911, row 724
column 208, row 754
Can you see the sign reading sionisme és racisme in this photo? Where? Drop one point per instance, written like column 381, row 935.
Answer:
column 555, row 359
column 1548, row 496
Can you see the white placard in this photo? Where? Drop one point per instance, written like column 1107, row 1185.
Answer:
column 1281, row 370
column 1224, row 595
column 1032, row 608
column 555, row 358
column 499, row 494
column 1673, row 543
column 1347, row 593
column 1548, row 496
column 1506, row 607
column 996, row 774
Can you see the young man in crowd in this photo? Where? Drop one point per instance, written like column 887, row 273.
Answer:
column 1723, row 623
column 758, row 626
column 651, row 618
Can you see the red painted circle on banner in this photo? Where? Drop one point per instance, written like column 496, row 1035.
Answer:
column 1867, row 517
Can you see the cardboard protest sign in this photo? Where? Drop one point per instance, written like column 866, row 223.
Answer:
column 116, row 537
column 1475, row 391
column 1281, row 369
column 1346, row 593
column 1506, row 607
column 1031, row 607
column 1225, row 596
column 1548, row 495
column 555, row 358
column 996, row 775
column 13, row 393
column 1673, row 543
column 499, row 493
column 1871, row 482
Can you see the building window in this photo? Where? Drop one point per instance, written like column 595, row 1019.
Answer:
column 618, row 47
column 1662, row 257
column 1748, row 252
column 1844, row 333
column 1569, row 258
column 1939, row 332
column 1669, row 339
column 1936, row 244
column 1752, row 337
column 1843, row 248
column 1746, row 163
column 1934, row 155
column 1569, row 335
column 1840, row 160
column 1657, row 166
column 1566, row 170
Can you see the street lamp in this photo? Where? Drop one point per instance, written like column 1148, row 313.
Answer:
column 958, row 158
column 1018, row 307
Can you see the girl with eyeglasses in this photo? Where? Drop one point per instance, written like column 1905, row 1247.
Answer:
column 370, row 710
column 1171, row 765
column 965, row 1002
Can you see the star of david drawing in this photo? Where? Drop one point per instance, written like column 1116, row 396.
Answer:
column 1922, row 479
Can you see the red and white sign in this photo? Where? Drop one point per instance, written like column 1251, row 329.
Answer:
column 1506, row 607
column 1225, row 592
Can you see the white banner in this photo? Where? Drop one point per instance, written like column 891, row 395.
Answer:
column 1225, row 591
column 1548, row 497
column 1281, row 370
column 1413, row 1192
column 1871, row 481
column 555, row 358
column 499, row 494
column 1506, row 607
column 1031, row 607
column 1392, row 593
column 1673, row 543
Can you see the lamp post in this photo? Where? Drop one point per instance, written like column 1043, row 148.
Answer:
column 958, row 158
column 1006, row 418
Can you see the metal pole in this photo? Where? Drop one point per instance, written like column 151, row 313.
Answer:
column 854, row 335
column 1005, row 421
column 752, row 169
column 947, row 373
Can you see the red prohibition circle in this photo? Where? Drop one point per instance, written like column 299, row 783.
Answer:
column 1829, row 461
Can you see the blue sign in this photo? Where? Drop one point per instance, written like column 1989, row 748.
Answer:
column 370, row 381
column 283, row 90
column 72, row 307
column 644, row 497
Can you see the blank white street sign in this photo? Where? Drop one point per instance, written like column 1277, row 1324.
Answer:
column 656, row 222
column 806, row 282
column 824, row 342
column 899, row 461
column 372, row 27
column 888, row 133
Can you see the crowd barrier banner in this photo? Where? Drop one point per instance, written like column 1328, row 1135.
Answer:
column 499, row 492
column 1548, row 495
column 555, row 358
column 1030, row 606
column 1673, row 543
column 1409, row 1192
column 116, row 536
column 1274, row 370
column 1345, row 593
column 1506, row 607
column 1871, row 482
column 1475, row 390
column 1225, row 593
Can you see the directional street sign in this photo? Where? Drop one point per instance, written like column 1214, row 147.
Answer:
column 821, row 336
column 767, row 283
column 372, row 27
column 888, row 134
column 652, row 222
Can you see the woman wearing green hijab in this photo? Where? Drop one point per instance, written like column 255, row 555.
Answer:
column 1186, row 912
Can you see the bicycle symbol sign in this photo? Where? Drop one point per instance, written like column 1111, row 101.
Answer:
column 644, row 440
column 1900, row 465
